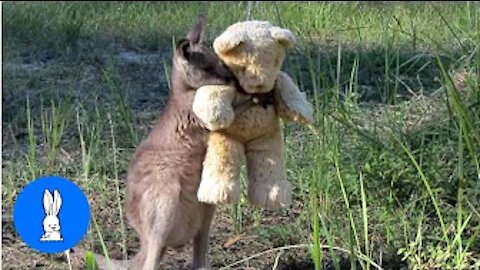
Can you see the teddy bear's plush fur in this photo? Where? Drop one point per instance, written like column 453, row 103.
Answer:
column 254, row 51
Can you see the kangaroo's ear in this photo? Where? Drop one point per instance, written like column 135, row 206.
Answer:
column 183, row 48
column 197, row 32
column 47, row 202
column 57, row 202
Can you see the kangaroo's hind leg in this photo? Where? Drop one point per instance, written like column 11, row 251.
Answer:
column 200, row 242
column 158, row 221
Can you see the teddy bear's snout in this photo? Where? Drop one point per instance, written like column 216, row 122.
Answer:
column 256, row 85
column 259, row 88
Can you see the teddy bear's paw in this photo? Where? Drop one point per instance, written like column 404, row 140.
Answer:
column 292, row 104
column 272, row 196
column 218, row 192
column 213, row 106
column 221, row 121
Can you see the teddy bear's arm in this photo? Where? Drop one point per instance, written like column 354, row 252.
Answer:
column 213, row 106
column 291, row 103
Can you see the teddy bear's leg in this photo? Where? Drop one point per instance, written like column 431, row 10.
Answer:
column 221, row 170
column 268, row 186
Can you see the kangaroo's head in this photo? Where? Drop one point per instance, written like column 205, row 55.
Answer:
column 195, row 64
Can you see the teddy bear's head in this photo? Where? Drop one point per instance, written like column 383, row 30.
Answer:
column 254, row 51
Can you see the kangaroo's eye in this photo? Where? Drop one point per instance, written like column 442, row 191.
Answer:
column 208, row 68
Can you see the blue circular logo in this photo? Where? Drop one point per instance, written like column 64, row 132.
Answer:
column 51, row 214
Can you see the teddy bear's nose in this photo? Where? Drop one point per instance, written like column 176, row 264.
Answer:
column 260, row 87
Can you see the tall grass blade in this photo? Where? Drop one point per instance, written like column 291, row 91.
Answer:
column 427, row 186
column 365, row 219
column 117, row 189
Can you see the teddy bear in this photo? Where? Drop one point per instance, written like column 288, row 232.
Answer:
column 245, row 125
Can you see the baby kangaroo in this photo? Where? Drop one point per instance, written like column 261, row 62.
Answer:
column 164, row 174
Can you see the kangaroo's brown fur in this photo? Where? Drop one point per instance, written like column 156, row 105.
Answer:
column 164, row 173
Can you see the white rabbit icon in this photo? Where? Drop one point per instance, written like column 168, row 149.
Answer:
column 51, row 222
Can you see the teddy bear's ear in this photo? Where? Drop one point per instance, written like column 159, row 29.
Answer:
column 227, row 42
column 283, row 36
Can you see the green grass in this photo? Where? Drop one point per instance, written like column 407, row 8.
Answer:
column 388, row 175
